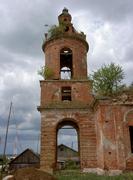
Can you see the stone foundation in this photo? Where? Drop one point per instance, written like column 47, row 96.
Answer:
column 99, row 171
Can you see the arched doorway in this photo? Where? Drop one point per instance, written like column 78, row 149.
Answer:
column 67, row 145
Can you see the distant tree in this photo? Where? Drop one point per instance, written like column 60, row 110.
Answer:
column 108, row 79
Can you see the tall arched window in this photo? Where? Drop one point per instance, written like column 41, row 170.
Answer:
column 66, row 63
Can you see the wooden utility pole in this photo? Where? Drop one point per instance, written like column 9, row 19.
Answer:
column 7, row 127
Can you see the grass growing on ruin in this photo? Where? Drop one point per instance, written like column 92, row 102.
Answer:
column 76, row 175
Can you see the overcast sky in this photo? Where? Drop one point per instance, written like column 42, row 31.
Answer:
column 109, row 29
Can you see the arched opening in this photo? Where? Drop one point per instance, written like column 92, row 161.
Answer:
column 66, row 63
column 67, row 29
column 68, row 145
column 129, row 121
column 131, row 137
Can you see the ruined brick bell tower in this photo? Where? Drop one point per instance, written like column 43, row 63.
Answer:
column 66, row 95
column 104, row 125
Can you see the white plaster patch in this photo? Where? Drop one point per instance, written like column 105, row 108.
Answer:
column 114, row 172
column 94, row 170
column 108, row 143
column 8, row 177
column 99, row 171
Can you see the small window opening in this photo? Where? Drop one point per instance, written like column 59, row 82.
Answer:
column 131, row 137
column 66, row 93
column 65, row 19
column 66, row 63
column 66, row 29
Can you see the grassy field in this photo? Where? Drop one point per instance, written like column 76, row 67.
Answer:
column 76, row 175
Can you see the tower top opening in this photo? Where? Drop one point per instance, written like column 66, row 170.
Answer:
column 65, row 16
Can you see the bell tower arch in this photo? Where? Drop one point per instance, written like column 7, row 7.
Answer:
column 67, row 94
column 66, row 64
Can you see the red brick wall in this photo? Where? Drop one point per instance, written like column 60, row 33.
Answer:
column 113, row 135
column 80, row 91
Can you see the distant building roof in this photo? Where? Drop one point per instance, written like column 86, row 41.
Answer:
column 27, row 156
column 62, row 145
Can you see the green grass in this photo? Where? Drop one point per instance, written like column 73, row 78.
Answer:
column 76, row 175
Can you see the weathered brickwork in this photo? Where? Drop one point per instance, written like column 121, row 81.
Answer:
column 102, row 124
column 52, row 54
column 51, row 92
column 86, row 128
column 113, row 140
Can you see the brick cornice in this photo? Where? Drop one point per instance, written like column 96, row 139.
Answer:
column 65, row 36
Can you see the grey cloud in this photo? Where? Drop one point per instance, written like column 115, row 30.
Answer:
column 70, row 132
column 115, row 11
column 129, row 54
column 24, row 27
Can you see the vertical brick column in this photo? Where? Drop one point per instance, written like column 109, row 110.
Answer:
column 48, row 146
column 88, row 144
column 99, row 137
column 109, row 137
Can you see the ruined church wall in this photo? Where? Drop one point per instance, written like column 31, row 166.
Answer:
column 113, row 133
